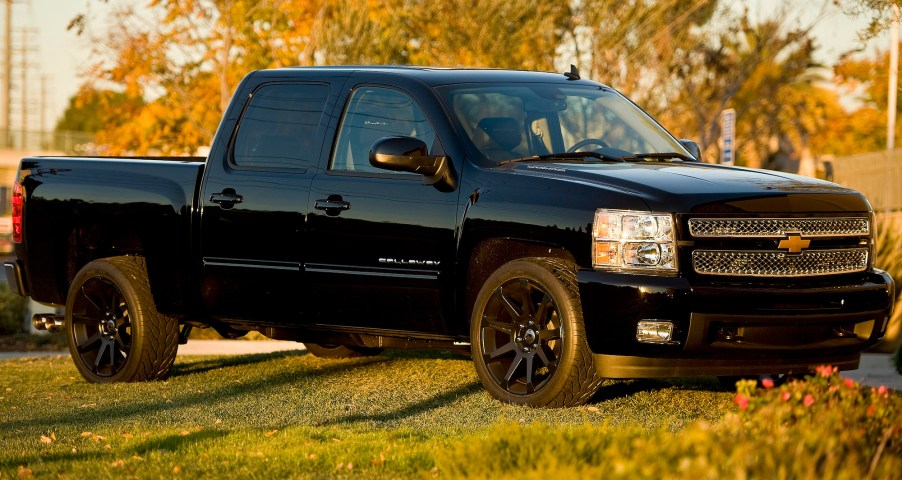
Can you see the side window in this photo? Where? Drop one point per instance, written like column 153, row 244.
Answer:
column 373, row 113
column 279, row 127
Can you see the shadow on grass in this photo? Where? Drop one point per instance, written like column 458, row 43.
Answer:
column 617, row 389
column 168, row 443
column 411, row 410
column 150, row 405
column 195, row 367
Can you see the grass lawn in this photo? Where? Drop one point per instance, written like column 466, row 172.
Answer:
column 401, row 414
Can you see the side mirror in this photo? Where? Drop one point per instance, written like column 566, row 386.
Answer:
column 408, row 154
column 692, row 147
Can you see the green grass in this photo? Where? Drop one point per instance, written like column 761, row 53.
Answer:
column 291, row 414
column 421, row 415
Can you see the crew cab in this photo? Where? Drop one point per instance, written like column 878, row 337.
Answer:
column 539, row 221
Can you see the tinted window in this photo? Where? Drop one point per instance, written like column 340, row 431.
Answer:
column 279, row 127
column 504, row 122
column 373, row 113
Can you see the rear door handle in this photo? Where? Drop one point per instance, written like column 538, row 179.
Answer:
column 333, row 205
column 228, row 198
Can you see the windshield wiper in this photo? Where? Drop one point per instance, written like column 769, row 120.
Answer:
column 659, row 155
column 564, row 156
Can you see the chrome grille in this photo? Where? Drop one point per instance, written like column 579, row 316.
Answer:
column 778, row 227
column 779, row 264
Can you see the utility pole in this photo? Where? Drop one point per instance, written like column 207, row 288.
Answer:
column 23, row 88
column 893, row 82
column 7, row 78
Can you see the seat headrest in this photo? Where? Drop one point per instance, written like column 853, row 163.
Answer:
column 503, row 130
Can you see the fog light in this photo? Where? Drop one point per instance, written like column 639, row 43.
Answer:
column 655, row 331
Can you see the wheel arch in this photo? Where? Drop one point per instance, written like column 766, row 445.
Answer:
column 488, row 254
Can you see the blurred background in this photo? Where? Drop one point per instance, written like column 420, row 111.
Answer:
column 810, row 84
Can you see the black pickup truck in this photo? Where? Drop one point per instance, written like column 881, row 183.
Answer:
column 539, row 221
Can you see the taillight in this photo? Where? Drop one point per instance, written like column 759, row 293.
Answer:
column 17, row 204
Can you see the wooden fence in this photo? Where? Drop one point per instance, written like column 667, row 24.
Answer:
column 878, row 175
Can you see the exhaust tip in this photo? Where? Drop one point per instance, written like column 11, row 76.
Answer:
column 50, row 323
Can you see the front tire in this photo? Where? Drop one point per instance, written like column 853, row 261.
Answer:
column 114, row 330
column 528, row 337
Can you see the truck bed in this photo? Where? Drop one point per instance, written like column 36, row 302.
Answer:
column 145, row 204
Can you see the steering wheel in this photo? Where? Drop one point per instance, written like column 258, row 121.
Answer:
column 588, row 141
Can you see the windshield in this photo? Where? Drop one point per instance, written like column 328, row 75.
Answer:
column 504, row 122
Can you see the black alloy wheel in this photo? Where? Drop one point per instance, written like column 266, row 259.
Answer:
column 528, row 338
column 521, row 336
column 114, row 330
column 101, row 327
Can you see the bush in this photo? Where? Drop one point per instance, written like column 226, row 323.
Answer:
column 823, row 427
column 12, row 311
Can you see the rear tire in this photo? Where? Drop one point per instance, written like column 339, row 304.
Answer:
column 114, row 330
column 340, row 351
column 528, row 338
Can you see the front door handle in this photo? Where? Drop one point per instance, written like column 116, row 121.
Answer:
column 228, row 198
column 333, row 205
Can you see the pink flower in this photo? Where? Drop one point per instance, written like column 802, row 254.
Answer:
column 850, row 383
column 882, row 390
column 826, row 371
column 742, row 401
column 871, row 410
column 786, row 396
column 767, row 382
column 808, row 400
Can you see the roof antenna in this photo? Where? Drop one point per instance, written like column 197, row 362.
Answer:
column 573, row 74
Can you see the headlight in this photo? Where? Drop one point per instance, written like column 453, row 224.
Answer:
column 623, row 239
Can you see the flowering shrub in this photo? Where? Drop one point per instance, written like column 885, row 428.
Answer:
column 823, row 427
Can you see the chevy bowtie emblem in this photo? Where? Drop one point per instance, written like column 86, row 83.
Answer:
column 794, row 243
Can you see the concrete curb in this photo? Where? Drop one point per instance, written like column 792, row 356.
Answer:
column 876, row 368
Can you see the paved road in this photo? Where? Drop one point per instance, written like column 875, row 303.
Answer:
column 876, row 368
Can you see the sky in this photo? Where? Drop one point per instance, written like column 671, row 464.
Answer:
column 61, row 56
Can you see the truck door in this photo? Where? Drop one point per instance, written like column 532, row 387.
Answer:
column 381, row 243
column 254, row 206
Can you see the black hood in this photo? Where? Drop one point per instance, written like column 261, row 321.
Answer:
column 698, row 187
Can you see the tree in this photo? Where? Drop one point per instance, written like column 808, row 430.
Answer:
column 879, row 12
column 89, row 109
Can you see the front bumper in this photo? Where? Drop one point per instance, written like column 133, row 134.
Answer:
column 732, row 328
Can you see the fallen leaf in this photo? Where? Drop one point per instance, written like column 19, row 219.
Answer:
column 86, row 434
column 128, row 435
column 24, row 471
column 592, row 409
column 118, row 464
column 269, row 434
column 176, row 469
column 46, row 440
column 185, row 433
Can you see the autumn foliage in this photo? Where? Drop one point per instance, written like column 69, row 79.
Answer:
column 682, row 60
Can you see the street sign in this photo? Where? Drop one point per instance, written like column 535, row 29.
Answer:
column 727, row 136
